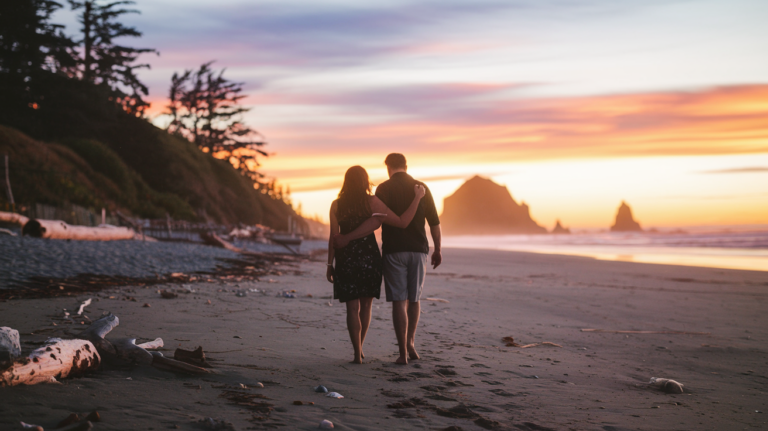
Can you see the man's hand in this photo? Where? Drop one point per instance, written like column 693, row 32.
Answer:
column 329, row 273
column 340, row 241
column 437, row 258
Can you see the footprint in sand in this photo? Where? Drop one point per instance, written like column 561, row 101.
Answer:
column 483, row 374
column 492, row 382
column 479, row 366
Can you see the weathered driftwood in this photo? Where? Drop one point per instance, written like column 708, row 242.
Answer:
column 57, row 229
column 98, row 330
column 10, row 348
column 151, row 345
column 14, row 218
column 127, row 349
column 56, row 359
column 169, row 364
column 211, row 238
column 195, row 357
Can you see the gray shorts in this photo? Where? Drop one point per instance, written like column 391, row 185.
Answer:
column 404, row 275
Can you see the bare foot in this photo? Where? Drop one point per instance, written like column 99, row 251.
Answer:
column 413, row 354
column 357, row 361
column 401, row 360
column 362, row 355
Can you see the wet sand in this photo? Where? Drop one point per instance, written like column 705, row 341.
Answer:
column 466, row 378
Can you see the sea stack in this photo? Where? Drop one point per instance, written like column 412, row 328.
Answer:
column 560, row 230
column 482, row 207
column 624, row 220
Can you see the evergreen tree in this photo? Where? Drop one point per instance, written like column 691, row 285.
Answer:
column 205, row 109
column 101, row 61
column 32, row 50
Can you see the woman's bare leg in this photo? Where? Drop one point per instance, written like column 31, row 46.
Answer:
column 354, row 327
column 365, row 321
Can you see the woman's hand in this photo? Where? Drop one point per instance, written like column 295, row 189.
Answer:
column 419, row 190
column 329, row 273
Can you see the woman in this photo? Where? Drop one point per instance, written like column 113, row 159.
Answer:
column 357, row 276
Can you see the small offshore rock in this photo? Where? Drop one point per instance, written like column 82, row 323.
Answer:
column 321, row 388
column 326, row 424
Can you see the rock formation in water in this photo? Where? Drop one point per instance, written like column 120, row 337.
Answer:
column 560, row 230
column 482, row 207
column 624, row 220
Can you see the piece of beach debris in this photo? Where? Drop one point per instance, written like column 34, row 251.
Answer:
column 10, row 347
column 146, row 305
column 194, row 357
column 168, row 294
column 208, row 302
column 606, row 331
column 543, row 343
column 241, row 293
column 326, row 424
column 321, row 388
column 69, row 420
column 6, row 232
column 510, row 342
column 216, row 424
column 168, row 364
column 79, row 426
column 286, row 294
column 438, row 300
column 259, row 385
column 334, row 395
column 667, row 385
column 84, row 304
column 56, row 359
column 26, row 426
column 93, row 416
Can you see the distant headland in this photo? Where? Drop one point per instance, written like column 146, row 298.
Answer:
column 482, row 207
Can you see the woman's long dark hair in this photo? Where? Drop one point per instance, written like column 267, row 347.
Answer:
column 354, row 197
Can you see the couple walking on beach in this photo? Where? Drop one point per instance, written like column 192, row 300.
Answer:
column 402, row 204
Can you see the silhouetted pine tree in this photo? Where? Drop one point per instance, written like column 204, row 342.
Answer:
column 101, row 61
column 32, row 51
column 206, row 110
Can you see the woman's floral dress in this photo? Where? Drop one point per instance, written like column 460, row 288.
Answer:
column 358, row 265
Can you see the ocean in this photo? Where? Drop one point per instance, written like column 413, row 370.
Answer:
column 732, row 250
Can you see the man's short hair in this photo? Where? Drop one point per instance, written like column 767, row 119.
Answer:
column 395, row 161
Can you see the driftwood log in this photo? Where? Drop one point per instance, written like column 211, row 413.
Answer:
column 127, row 349
column 57, row 359
column 14, row 218
column 57, row 229
column 10, row 347
column 63, row 358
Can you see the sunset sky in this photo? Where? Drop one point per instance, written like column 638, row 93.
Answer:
column 574, row 105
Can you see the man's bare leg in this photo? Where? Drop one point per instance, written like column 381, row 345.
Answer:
column 400, row 320
column 354, row 327
column 414, row 311
column 365, row 321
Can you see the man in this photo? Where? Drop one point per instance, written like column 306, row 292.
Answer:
column 404, row 251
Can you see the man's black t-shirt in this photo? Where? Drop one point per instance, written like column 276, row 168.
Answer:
column 397, row 193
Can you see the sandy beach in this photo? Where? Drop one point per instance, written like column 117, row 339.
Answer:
column 709, row 332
